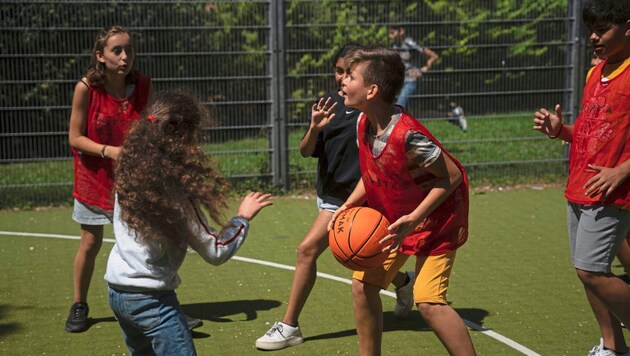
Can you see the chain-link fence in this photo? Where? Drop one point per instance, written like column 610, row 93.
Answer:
column 258, row 66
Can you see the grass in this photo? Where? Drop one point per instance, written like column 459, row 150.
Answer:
column 497, row 151
column 512, row 277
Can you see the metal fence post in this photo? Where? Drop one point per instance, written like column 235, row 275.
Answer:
column 576, row 57
column 279, row 134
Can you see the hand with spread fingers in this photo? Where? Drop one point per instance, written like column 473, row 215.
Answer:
column 322, row 113
column 548, row 123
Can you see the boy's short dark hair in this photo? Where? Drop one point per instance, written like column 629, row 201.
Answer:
column 384, row 68
column 612, row 11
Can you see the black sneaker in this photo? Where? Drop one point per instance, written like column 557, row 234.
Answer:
column 193, row 323
column 78, row 318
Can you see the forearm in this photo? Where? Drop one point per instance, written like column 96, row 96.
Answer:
column 565, row 133
column 218, row 248
column 309, row 142
column 358, row 195
column 87, row 146
column 440, row 191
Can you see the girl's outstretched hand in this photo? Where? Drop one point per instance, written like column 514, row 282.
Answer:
column 253, row 203
column 322, row 113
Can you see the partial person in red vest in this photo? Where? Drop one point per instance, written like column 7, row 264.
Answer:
column 409, row 177
column 598, row 188
column 110, row 96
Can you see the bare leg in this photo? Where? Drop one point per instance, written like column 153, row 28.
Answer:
column 609, row 325
column 624, row 254
column 449, row 327
column 91, row 241
column 314, row 244
column 368, row 317
column 608, row 294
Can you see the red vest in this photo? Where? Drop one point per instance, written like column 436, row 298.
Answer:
column 108, row 121
column 600, row 136
column 391, row 190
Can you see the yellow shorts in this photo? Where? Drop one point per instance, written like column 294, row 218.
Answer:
column 432, row 275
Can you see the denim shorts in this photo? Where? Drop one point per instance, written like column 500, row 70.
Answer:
column 326, row 206
column 91, row 215
column 152, row 322
column 595, row 235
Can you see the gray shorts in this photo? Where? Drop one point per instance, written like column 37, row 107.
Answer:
column 595, row 234
column 326, row 206
column 91, row 215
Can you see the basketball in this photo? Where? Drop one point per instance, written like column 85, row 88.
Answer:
column 354, row 238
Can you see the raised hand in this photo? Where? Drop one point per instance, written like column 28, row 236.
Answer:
column 322, row 113
column 253, row 203
column 548, row 123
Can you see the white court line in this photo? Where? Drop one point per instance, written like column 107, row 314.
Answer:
column 509, row 342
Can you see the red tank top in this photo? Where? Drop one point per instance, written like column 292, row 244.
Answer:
column 391, row 190
column 600, row 136
column 108, row 121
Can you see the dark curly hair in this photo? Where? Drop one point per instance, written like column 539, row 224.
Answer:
column 162, row 170
column 613, row 11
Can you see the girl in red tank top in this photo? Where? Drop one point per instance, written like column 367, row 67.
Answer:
column 105, row 102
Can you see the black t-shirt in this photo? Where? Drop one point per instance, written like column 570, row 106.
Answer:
column 338, row 165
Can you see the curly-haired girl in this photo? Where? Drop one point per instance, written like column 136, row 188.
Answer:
column 163, row 178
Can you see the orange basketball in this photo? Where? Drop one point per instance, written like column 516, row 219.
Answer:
column 354, row 238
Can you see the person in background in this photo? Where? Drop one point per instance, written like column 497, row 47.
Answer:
column 407, row 47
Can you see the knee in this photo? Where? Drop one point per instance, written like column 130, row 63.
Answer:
column 427, row 310
column 307, row 252
column 91, row 245
column 589, row 279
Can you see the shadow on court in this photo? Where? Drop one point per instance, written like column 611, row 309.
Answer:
column 413, row 322
column 227, row 312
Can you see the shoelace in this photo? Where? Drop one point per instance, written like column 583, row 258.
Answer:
column 276, row 327
column 78, row 313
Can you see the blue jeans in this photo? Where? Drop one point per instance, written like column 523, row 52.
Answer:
column 408, row 89
column 152, row 323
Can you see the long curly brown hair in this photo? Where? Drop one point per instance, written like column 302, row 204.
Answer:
column 161, row 170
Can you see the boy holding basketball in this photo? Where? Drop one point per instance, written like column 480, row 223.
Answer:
column 598, row 186
column 409, row 177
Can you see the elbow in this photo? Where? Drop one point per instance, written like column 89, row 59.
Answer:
column 217, row 260
column 72, row 141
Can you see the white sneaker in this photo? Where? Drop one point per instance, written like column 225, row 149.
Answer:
column 279, row 337
column 600, row 351
column 596, row 348
column 404, row 297
column 458, row 112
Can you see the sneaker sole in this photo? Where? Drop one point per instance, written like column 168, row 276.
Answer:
column 271, row 346
column 76, row 329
